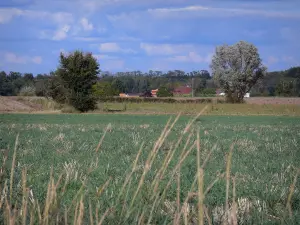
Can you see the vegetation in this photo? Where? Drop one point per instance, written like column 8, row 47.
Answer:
column 74, row 79
column 273, row 84
column 236, row 69
column 104, row 89
column 181, row 173
column 164, row 92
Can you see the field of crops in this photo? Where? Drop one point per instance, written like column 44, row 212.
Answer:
column 134, row 169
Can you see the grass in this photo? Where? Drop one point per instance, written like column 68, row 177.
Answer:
column 134, row 169
column 43, row 105
column 194, row 108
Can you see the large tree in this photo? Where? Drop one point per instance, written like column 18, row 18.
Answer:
column 77, row 73
column 236, row 69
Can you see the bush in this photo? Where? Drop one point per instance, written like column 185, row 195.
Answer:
column 68, row 109
column 83, row 102
column 27, row 91
column 207, row 92
column 154, row 100
column 164, row 92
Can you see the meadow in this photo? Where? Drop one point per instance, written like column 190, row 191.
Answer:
column 154, row 169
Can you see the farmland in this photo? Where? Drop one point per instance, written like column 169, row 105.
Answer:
column 253, row 106
column 123, row 169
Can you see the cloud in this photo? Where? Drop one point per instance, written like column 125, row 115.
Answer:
column 61, row 33
column 7, row 14
column 102, row 56
column 191, row 57
column 113, row 47
column 86, row 25
column 272, row 60
column 37, row 59
column 198, row 10
column 170, row 49
column 113, row 65
column 10, row 57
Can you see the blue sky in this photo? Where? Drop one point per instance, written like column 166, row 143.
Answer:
column 141, row 35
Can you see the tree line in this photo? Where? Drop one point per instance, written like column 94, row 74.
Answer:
column 279, row 83
column 235, row 69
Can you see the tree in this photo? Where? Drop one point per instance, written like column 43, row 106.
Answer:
column 76, row 75
column 236, row 69
column 118, row 85
column 164, row 92
column 104, row 89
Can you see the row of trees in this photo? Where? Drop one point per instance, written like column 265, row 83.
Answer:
column 236, row 69
column 280, row 83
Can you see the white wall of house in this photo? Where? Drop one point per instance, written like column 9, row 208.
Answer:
column 247, row 95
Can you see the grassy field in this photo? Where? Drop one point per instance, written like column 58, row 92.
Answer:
column 193, row 109
column 123, row 169
column 254, row 106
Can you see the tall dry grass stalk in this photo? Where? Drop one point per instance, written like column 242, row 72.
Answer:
column 25, row 196
column 151, row 158
column 13, row 167
column 103, row 136
column 233, row 214
column 200, row 183
column 194, row 119
column 291, row 192
column 228, row 167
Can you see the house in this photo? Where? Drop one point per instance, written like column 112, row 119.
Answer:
column 221, row 93
column 154, row 92
column 183, row 90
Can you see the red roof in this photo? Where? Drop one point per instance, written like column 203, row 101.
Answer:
column 182, row 90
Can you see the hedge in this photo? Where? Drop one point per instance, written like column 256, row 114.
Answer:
column 161, row 100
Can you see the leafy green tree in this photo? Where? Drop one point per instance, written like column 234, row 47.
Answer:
column 118, row 85
column 76, row 75
column 104, row 89
column 236, row 69
column 164, row 92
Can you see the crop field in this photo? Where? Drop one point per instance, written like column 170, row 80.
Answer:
column 154, row 169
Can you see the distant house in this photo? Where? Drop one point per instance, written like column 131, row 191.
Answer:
column 154, row 92
column 184, row 90
column 131, row 95
column 221, row 93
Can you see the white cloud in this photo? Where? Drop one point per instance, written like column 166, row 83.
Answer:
column 272, row 60
column 86, row 25
column 7, row 14
column 110, row 47
column 215, row 11
column 103, row 56
column 113, row 47
column 13, row 58
column 10, row 57
column 169, row 49
column 37, row 59
column 113, row 64
column 191, row 57
column 61, row 33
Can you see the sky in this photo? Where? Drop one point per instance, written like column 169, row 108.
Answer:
column 126, row 35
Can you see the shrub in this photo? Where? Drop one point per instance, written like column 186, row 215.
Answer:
column 154, row 100
column 83, row 102
column 27, row 91
column 164, row 92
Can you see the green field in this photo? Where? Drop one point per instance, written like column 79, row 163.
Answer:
column 100, row 184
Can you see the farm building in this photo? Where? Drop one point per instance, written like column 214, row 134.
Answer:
column 184, row 90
